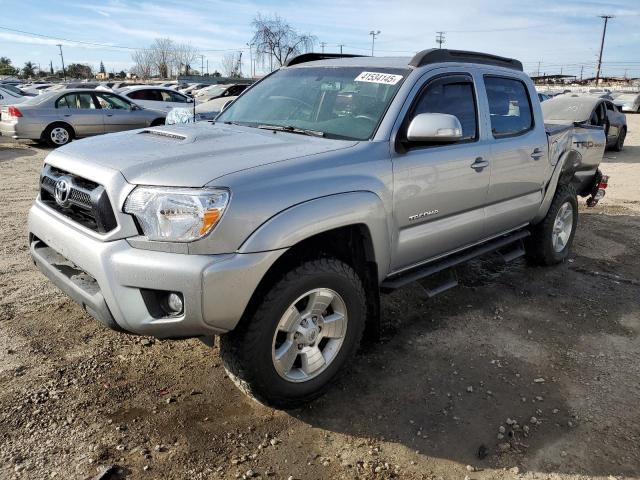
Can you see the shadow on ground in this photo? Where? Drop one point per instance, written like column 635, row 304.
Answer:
column 509, row 343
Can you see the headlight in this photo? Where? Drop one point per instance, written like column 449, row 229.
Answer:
column 176, row 214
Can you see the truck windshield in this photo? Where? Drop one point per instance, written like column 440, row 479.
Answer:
column 336, row 102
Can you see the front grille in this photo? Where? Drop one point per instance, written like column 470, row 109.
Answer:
column 85, row 202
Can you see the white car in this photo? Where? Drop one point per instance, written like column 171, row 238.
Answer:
column 156, row 98
column 203, row 112
column 7, row 97
column 628, row 102
column 193, row 88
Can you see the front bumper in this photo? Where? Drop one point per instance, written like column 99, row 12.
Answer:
column 108, row 279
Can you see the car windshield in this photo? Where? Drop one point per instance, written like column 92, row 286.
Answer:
column 338, row 102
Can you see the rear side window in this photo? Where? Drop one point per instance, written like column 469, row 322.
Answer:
column 454, row 96
column 82, row 101
column 509, row 106
column 148, row 94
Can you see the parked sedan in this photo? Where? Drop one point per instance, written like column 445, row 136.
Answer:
column 203, row 111
column 218, row 91
column 628, row 102
column 158, row 98
column 8, row 97
column 59, row 117
column 591, row 110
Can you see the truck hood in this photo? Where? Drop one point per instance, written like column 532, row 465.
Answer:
column 193, row 155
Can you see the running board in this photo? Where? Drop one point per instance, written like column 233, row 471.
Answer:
column 437, row 266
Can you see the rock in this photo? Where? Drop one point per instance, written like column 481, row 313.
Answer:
column 250, row 473
column 510, row 422
column 274, row 441
column 470, row 468
column 538, row 380
column 503, row 447
column 533, row 420
column 146, row 342
column 501, row 429
column 470, row 389
column 514, row 470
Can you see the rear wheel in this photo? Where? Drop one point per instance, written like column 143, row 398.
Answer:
column 58, row 134
column 551, row 239
column 157, row 122
column 620, row 141
column 307, row 328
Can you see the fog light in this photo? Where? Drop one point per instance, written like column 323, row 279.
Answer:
column 174, row 303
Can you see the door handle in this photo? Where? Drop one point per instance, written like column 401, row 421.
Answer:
column 67, row 114
column 109, row 114
column 479, row 164
column 537, row 153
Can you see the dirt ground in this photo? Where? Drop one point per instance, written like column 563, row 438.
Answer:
column 520, row 372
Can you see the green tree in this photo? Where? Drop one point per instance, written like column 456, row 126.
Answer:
column 78, row 70
column 29, row 69
column 102, row 69
column 6, row 68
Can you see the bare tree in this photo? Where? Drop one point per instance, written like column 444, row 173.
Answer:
column 143, row 60
column 277, row 41
column 183, row 57
column 230, row 65
column 162, row 53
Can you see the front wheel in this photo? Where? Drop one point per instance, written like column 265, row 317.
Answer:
column 551, row 239
column 306, row 329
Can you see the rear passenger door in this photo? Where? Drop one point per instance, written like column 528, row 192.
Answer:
column 81, row 112
column 519, row 153
column 440, row 189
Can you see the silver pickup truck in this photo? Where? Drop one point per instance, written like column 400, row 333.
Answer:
column 332, row 180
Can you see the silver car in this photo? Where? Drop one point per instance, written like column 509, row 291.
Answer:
column 627, row 102
column 591, row 110
column 59, row 117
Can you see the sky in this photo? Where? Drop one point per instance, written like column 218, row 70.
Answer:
column 557, row 34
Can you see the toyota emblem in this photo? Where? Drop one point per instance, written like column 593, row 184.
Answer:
column 62, row 191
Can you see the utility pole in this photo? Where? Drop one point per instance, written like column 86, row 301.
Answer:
column 201, row 65
column 440, row 39
column 250, row 60
column 207, row 67
column 374, row 34
column 581, row 70
column 539, row 68
column 64, row 73
column 323, row 44
column 604, row 32
column 341, row 45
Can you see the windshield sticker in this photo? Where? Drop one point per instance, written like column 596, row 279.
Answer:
column 374, row 77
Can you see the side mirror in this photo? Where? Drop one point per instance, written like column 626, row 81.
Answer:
column 190, row 100
column 434, row 127
column 135, row 107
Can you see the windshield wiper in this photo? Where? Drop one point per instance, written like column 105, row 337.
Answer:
column 292, row 129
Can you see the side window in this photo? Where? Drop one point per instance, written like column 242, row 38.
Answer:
column 610, row 106
column 112, row 102
column 67, row 101
column 141, row 95
column 454, row 96
column 509, row 106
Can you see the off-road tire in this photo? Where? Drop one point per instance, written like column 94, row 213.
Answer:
column 620, row 140
column 539, row 246
column 247, row 350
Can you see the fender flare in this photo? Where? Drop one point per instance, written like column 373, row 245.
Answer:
column 566, row 165
column 322, row 214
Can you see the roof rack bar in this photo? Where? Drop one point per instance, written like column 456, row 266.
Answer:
column 443, row 55
column 311, row 56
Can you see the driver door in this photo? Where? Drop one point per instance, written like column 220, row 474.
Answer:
column 118, row 113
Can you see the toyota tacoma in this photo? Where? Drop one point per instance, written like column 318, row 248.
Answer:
column 333, row 179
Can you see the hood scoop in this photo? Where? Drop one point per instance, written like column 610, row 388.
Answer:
column 161, row 133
